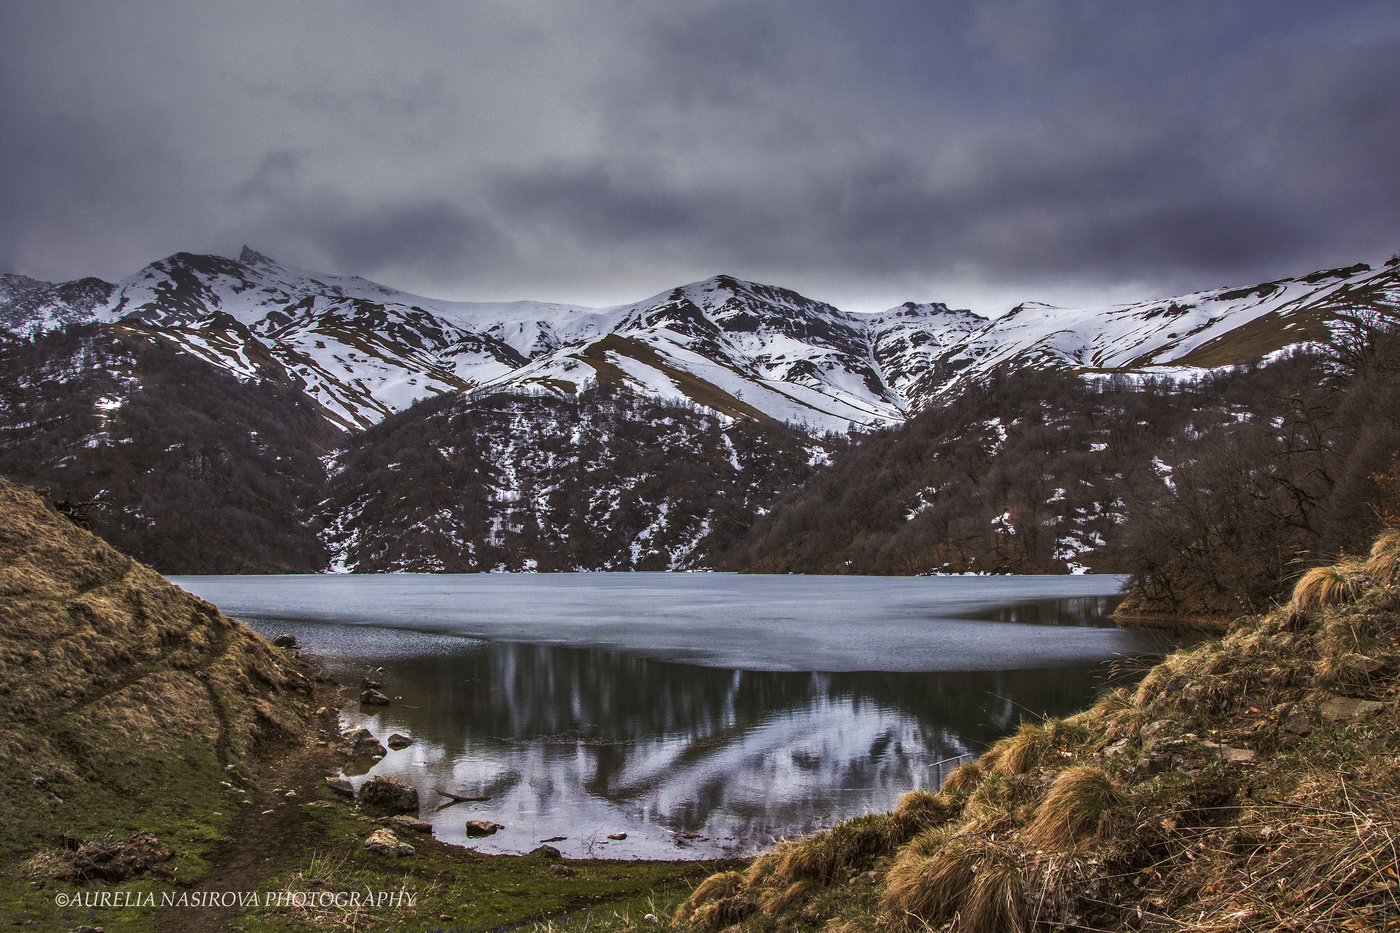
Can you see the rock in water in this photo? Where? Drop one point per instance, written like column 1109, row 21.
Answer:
column 478, row 828
column 398, row 741
column 372, row 697
column 361, row 743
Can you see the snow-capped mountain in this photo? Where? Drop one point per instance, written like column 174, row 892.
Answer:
column 1206, row 329
column 363, row 351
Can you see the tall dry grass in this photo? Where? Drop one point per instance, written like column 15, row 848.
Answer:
column 1081, row 808
column 1325, row 586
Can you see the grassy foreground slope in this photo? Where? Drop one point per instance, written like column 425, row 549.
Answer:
column 130, row 711
column 1247, row 784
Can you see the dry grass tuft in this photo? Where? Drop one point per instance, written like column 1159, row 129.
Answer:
column 1110, row 705
column 800, row 860
column 919, row 810
column 996, row 901
column 835, row 854
column 1079, row 809
column 763, row 867
column 784, row 900
column 927, row 890
column 963, row 780
column 720, row 885
column 1325, row 586
column 1383, row 565
column 966, row 880
column 718, row 902
column 1152, row 685
column 991, row 803
column 1023, row 751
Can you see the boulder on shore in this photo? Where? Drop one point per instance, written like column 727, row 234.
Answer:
column 410, row 824
column 341, row 786
column 386, row 843
column 389, row 794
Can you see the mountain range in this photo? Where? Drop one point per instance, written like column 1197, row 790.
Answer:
column 221, row 415
column 362, row 351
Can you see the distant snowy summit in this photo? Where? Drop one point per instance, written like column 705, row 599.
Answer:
column 363, row 351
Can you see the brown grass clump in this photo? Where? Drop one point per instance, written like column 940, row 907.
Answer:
column 1383, row 565
column 919, row 810
column 1325, row 586
column 1110, row 705
column 1078, row 809
column 991, row 803
column 996, row 902
column 926, row 890
column 963, row 780
column 1152, row 684
column 1022, row 751
column 762, row 868
column 801, row 859
column 966, row 879
column 784, row 900
column 851, row 847
column 718, row 902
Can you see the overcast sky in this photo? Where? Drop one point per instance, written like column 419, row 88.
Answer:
column 863, row 153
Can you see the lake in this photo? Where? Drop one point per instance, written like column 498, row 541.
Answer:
column 701, row 714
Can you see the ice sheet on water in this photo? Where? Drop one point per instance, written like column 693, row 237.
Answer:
column 749, row 622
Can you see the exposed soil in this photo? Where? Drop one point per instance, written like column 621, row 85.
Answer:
column 264, row 839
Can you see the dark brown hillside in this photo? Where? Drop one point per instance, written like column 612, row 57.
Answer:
column 186, row 467
column 129, row 707
column 602, row 480
column 1213, row 494
column 1025, row 473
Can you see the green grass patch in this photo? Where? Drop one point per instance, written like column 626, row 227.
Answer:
column 444, row 887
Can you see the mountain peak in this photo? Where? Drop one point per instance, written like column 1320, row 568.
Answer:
column 251, row 257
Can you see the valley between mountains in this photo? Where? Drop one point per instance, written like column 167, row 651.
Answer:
column 217, row 415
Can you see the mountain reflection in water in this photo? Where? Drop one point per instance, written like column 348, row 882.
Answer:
column 681, row 709
column 689, row 761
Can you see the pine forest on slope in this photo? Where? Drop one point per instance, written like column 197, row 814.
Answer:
column 239, row 416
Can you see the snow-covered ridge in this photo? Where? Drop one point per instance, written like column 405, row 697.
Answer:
column 364, row 351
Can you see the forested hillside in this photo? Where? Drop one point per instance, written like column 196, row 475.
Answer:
column 171, row 460
column 605, row 480
column 1212, row 492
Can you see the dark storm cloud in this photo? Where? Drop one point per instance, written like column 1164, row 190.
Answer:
column 434, row 238
column 866, row 153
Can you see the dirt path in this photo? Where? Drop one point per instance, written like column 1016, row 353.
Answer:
column 261, row 842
